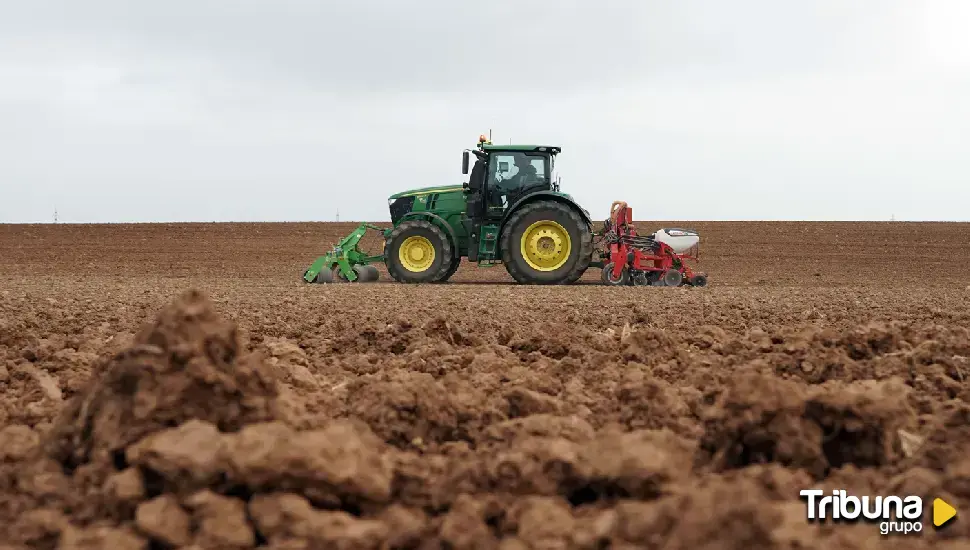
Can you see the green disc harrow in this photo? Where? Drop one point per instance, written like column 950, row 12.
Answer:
column 346, row 262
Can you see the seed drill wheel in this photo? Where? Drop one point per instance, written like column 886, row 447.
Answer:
column 672, row 277
column 418, row 252
column 699, row 281
column 610, row 280
column 546, row 242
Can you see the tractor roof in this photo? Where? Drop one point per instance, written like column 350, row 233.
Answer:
column 555, row 149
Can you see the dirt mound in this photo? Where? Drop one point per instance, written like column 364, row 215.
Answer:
column 173, row 438
column 761, row 419
column 188, row 364
column 414, row 409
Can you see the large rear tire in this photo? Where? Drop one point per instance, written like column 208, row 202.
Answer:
column 418, row 252
column 546, row 243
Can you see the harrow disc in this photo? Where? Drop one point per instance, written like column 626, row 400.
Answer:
column 324, row 277
column 366, row 273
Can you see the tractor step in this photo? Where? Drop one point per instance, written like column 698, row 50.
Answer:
column 488, row 243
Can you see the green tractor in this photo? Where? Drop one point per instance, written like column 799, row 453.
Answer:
column 510, row 212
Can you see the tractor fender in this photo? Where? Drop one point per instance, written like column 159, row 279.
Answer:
column 445, row 226
column 546, row 195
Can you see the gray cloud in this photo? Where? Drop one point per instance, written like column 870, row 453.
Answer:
column 218, row 110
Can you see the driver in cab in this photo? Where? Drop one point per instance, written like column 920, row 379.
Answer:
column 525, row 175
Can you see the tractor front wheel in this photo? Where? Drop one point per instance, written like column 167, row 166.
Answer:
column 546, row 242
column 455, row 264
column 418, row 252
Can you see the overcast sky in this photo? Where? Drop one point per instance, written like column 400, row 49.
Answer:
column 219, row 110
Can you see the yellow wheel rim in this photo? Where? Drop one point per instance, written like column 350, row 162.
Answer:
column 416, row 254
column 546, row 245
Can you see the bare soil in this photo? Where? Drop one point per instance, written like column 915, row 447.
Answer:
column 179, row 386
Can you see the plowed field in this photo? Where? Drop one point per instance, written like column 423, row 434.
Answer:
column 179, row 386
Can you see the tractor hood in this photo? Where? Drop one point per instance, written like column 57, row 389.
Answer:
column 426, row 190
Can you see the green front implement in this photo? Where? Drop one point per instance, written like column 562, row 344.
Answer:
column 346, row 262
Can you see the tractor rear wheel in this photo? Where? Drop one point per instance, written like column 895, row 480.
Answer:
column 418, row 252
column 546, row 242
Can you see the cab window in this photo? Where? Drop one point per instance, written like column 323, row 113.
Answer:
column 509, row 171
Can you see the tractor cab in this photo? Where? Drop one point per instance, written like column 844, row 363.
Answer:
column 504, row 174
column 505, row 178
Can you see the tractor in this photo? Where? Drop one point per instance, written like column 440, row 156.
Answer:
column 510, row 212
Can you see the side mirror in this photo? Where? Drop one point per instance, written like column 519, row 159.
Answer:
column 464, row 162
